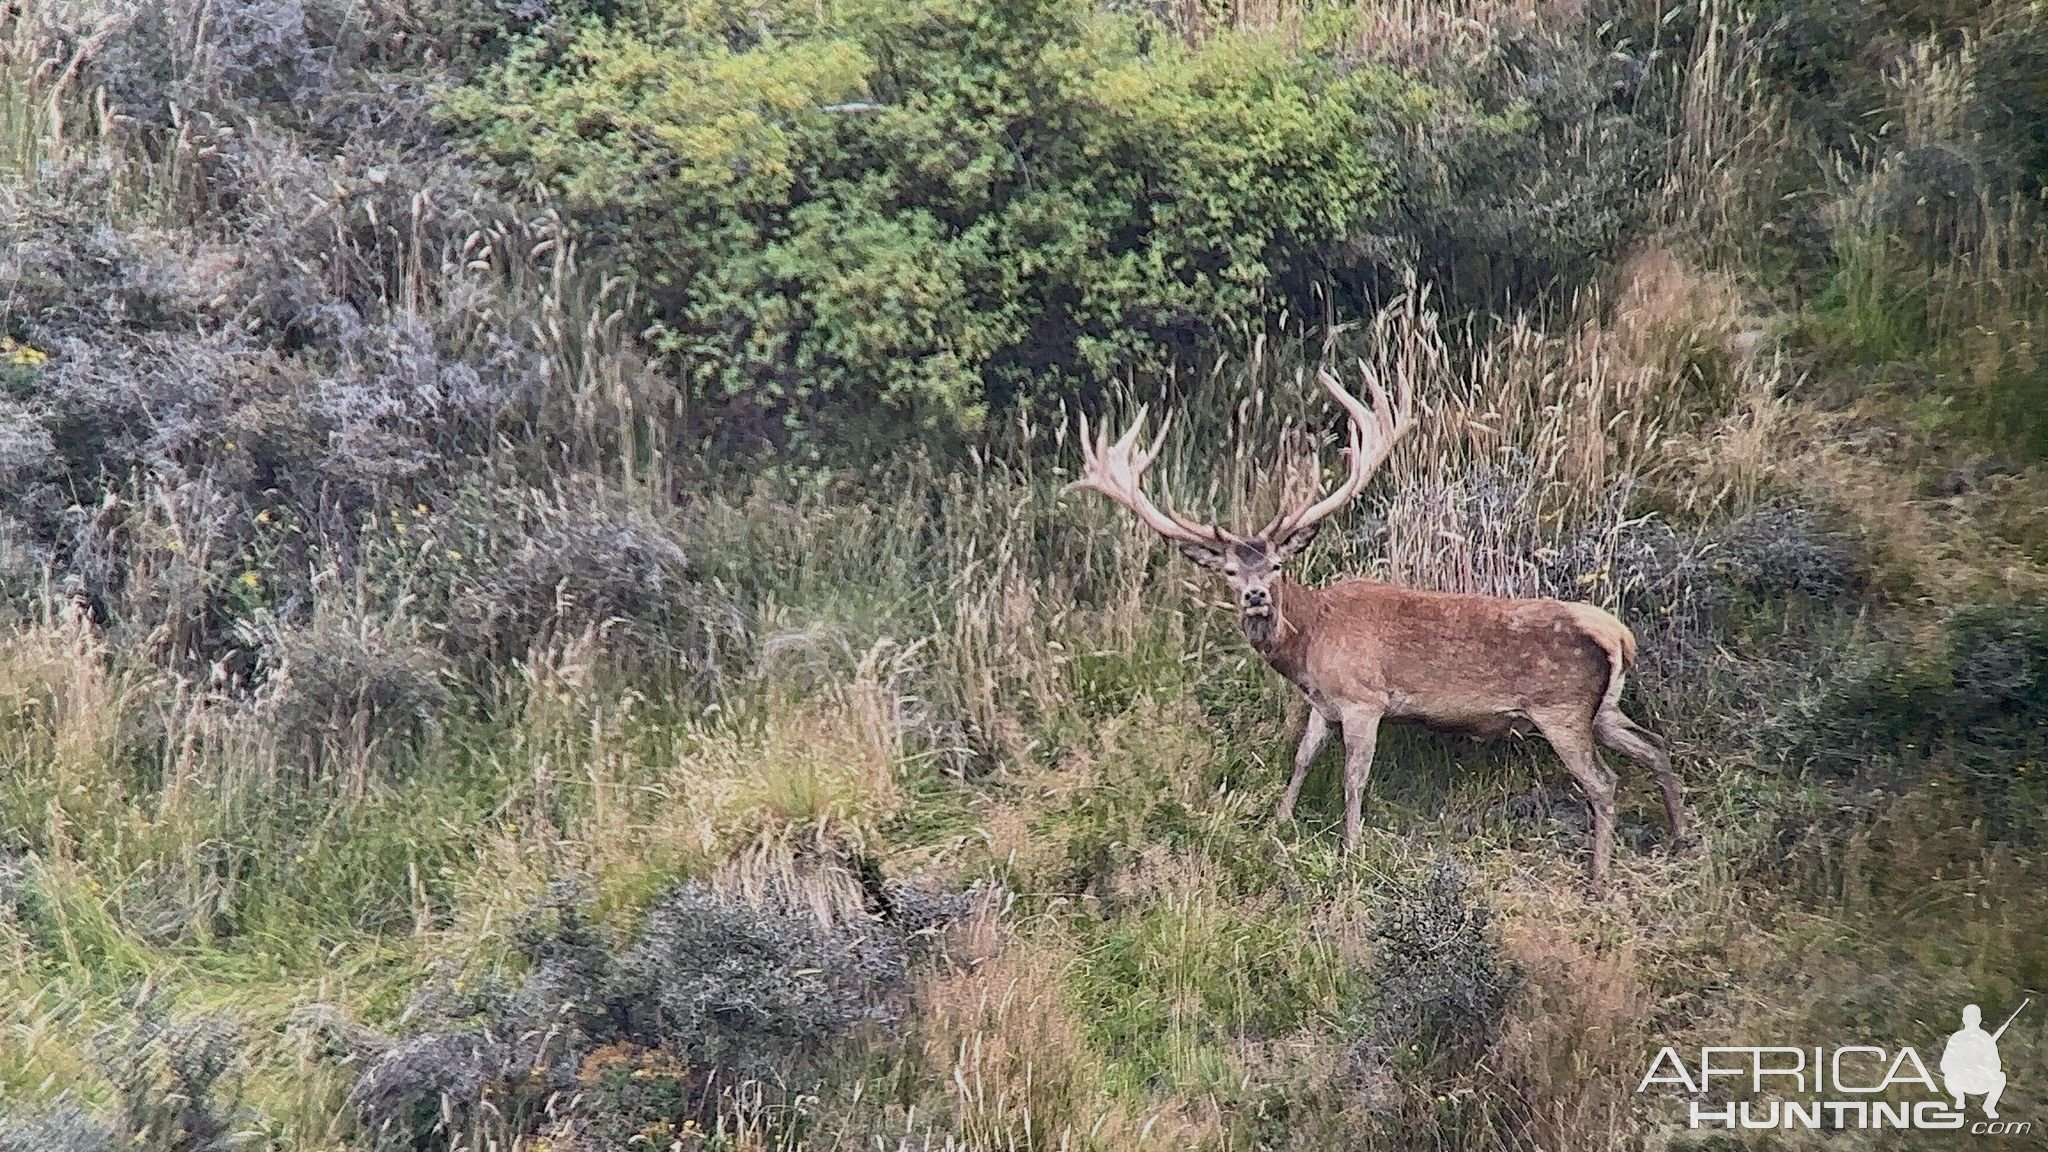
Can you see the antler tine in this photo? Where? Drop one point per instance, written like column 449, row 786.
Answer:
column 1372, row 435
column 1117, row 471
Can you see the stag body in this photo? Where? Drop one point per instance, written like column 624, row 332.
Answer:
column 1363, row 651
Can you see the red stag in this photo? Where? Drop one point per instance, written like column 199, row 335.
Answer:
column 1363, row 651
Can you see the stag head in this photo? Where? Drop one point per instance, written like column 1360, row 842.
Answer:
column 1252, row 564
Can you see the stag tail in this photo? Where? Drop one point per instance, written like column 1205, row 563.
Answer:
column 1615, row 639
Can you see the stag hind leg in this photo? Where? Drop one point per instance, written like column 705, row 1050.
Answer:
column 1572, row 737
column 1312, row 738
column 1645, row 747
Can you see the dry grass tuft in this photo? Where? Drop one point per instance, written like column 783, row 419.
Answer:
column 1023, row 1072
column 1734, row 135
column 62, row 702
column 1576, row 1040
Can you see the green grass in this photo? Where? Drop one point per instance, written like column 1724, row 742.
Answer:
column 1199, row 936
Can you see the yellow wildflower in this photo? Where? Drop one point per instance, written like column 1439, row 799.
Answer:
column 455, row 553
column 263, row 517
column 251, row 580
column 21, row 355
column 419, row 509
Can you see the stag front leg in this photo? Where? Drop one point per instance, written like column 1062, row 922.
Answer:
column 1312, row 738
column 1361, row 733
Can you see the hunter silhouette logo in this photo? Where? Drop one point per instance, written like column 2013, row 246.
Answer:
column 1969, row 1065
column 1854, row 1086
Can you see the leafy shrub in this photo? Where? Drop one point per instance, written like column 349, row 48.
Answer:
column 1925, row 115
column 921, row 207
column 1530, row 163
column 1827, row 58
column 2011, row 112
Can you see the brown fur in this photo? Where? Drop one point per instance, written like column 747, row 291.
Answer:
column 1362, row 652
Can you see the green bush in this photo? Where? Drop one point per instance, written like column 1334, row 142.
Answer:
column 1827, row 59
column 1531, row 161
column 1973, row 707
column 893, row 209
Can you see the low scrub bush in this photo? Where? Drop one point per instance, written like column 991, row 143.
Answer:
column 65, row 1131
column 176, row 1085
column 1442, row 987
column 595, row 563
column 1970, row 702
column 1442, row 984
column 352, row 697
column 713, row 990
column 178, row 1080
column 173, row 59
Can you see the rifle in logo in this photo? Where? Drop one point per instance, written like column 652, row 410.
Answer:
column 1969, row 1065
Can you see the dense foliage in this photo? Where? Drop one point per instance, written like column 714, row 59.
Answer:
column 890, row 208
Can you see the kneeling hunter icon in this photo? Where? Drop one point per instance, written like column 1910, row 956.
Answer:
column 1969, row 1065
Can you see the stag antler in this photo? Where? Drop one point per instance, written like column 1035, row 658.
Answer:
column 1373, row 434
column 1115, row 470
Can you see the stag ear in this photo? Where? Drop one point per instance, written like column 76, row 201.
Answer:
column 1208, row 558
column 1291, row 545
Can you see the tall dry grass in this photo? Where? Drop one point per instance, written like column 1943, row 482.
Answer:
column 1005, row 1037
column 1933, row 249
column 1732, row 141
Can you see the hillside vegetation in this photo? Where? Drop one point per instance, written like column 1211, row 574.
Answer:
column 537, row 611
